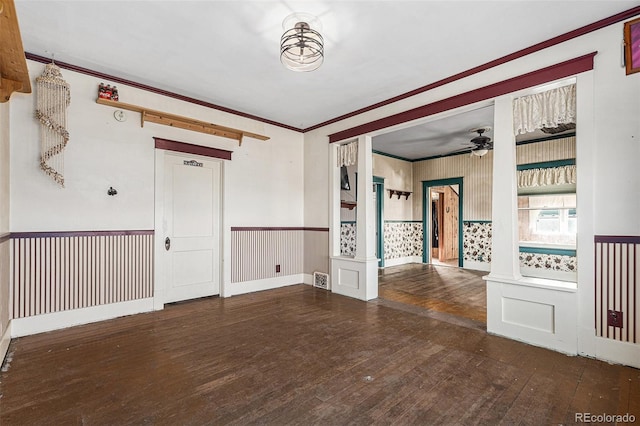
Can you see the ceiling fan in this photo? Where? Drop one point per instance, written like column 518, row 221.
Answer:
column 479, row 145
column 482, row 144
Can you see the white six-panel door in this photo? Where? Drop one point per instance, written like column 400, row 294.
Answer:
column 191, row 227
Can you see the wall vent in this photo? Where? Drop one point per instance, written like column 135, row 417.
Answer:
column 321, row 280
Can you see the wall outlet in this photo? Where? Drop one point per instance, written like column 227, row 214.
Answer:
column 277, row 268
column 614, row 318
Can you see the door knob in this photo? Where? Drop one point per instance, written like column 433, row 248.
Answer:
column 167, row 243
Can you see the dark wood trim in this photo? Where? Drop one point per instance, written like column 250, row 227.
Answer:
column 5, row 237
column 625, row 239
column 534, row 78
column 277, row 228
column 547, row 138
column 54, row 234
column 496, row 62
column 188, row 148
column 120, row 80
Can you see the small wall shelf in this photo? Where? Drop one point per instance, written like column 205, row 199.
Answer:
column 399, row 193
column 348, row 204
column 182, row 122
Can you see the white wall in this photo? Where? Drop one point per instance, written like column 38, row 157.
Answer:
column 264, row 180
column 398, row 175
column 608, row 147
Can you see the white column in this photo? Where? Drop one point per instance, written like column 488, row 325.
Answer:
column 505, row 262
column 365, row 216
column 358, row 276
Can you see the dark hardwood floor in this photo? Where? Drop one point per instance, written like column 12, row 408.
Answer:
column 445, row 292
column 299, row 355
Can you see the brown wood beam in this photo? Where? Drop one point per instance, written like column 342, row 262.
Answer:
column 13, row 64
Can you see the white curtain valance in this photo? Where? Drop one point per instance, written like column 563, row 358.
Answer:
column 348, row 154
column 546, row 109
column 563, row 175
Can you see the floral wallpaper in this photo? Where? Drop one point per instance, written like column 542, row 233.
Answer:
column 402, row 239
column 551, row 262
column 476, row 241
column 347, row 239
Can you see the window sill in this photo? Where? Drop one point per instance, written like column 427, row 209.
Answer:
column 543, row 283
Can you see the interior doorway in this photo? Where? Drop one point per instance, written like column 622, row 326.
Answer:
column 442, row 222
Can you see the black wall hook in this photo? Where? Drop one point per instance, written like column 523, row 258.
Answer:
column 112, row 191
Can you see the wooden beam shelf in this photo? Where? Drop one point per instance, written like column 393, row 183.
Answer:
column 348, row 204
column 399, row 193
column 14, row 74
column 181, row 122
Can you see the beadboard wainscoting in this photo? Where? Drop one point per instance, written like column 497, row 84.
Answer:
column 58, row 277
column 617, row 296
column 269, row 257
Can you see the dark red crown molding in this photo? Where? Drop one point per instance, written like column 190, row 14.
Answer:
column 519, row 54
column 188, row 148
column 120, row 80
column 534, row 78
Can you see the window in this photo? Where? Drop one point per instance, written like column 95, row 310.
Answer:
column 548, row 220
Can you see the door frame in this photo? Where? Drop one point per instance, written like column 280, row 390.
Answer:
column 426, row 214
column 379, row 183
column 181, row 149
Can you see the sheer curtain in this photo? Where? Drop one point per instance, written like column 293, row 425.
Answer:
column 547, row 176
column 546, row 109
column 348, row 154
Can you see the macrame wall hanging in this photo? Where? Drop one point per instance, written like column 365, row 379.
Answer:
column 54, row 97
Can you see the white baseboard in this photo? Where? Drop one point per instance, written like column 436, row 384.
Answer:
column 234, row 289
column 477, row 266
column 58, row 320
column 4, row 342
column 617, row 352
column 402, row 261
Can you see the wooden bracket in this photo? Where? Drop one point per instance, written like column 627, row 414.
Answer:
column 14, row 74
column 399, row 193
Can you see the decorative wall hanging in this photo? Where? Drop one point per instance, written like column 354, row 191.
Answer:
column 54, row 97
column 632, row 46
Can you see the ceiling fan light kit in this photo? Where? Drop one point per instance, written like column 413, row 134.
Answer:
column 301, row 45
column 482, row 143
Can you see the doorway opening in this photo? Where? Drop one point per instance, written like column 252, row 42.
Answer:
column 442, row 222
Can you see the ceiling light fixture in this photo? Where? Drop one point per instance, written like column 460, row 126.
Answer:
column 480, row 152
column 301, row 45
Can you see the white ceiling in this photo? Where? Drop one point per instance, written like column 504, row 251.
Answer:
column 227, row 52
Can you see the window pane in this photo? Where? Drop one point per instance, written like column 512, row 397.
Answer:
column 548, row 219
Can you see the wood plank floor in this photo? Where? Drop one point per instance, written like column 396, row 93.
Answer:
column 299, row 355
column 444, row 291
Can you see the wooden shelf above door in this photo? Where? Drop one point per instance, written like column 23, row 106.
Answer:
column 181, row 122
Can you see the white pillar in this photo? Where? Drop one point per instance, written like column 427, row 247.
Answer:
column 358, row 276
column 365, row 216
column 505, row 261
